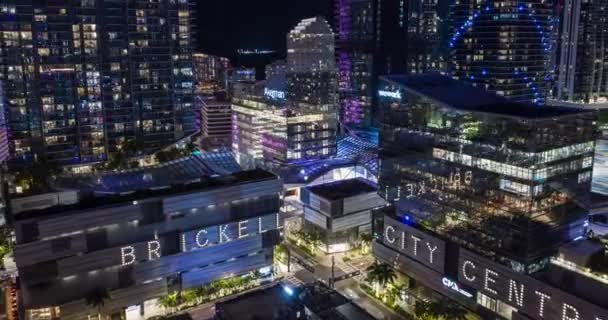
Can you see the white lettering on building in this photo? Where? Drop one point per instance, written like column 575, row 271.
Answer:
column 201, row 239
column 274, row 94
column 127, row 252
column 518, row 294
column 153, row 250
column 389, row 94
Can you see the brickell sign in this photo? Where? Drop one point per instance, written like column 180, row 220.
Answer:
column 202, row 238
column 415, row 244
column 534, row 298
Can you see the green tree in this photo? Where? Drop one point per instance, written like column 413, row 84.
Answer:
column 189, row 297
column 97, row 297
column 169, row 301
column 121, row 158
column 366, row 240
column 381, row 275
column 439, row 309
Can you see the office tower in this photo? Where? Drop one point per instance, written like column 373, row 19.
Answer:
column 82, row 77
column 503, row 47
column 378, row 38
column 144, row 239
column 216, row 121
column 423, row 37
column 583, row 52
column 210, row 72
column 356, row 30
column 485, row 193
column 309, row 128
column 311, row 67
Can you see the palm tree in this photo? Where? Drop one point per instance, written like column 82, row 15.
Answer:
column 314, row 239
column 381, row 274
column 440, row 309
column 366, row 240
column 96, row 298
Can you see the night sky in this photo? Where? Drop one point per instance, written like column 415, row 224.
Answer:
column 227, row 25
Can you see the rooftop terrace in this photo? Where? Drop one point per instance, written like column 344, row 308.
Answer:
column 89, row 200
column 460, row 95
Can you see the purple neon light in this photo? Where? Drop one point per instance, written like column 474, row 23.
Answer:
column 352, row 112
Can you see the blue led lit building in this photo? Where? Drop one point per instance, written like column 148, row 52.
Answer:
column 143, row 234
column 504, row 47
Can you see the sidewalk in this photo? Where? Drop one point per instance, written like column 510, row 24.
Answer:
column 207, row 311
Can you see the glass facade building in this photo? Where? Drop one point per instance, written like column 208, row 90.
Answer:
column 378, row 38
column 210, row 72
column 583, row 55
column 504, row 47
column 508, row 181
column 81, row 77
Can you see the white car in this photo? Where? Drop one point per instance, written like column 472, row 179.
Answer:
column 598, row 224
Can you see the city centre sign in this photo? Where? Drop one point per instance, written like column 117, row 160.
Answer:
column 202, row 238
column 415, row 244
column 274, row 94
column 390, row 94
column 532, row 297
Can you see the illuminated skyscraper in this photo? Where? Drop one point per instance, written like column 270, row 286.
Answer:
column 356, row 29
column 503, row 47
column 210, row 72
column 311, row 67
column 82, row 77
column 583, row 57
column 378, row 38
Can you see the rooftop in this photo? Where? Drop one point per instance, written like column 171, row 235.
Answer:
column 160, row 176
column 342, row 189
column 352, row 151
column 88, row 200
column 460, row 95
column 328, row 304
column 267, row 304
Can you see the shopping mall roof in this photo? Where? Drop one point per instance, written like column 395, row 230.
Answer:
column 179, row 171
column 353, row 151
column 463, row 96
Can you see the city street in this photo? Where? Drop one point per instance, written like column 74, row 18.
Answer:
column 348, row 287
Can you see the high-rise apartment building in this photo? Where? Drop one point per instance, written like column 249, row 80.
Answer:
column 423, row 37
column 210, row 72
column 378, row 38
column 216, row 120
column 583, row 52
column 82, row 77
column 311, row 67
column 356, row 30
column 504, row 47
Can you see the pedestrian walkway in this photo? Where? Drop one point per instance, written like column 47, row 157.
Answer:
column 292, row 281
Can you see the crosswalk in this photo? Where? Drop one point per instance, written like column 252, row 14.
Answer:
column 292, row 281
